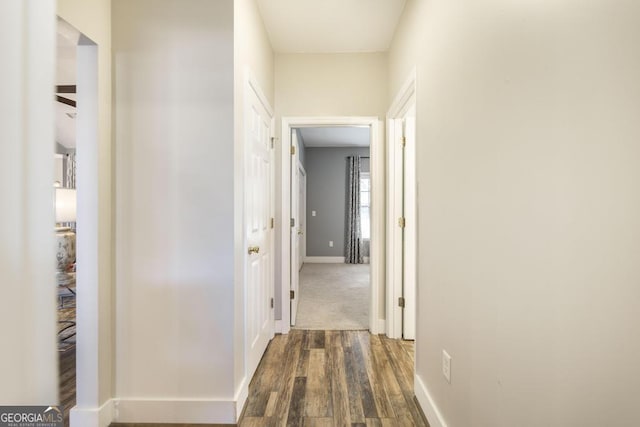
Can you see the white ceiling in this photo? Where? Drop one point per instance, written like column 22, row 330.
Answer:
column 343, row 136
column 330, row 26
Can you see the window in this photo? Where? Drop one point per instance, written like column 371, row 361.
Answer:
column 365, row 202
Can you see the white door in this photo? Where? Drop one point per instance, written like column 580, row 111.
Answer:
column 410, row 230
column 302, row 214
column 295, row 212
column 259, row 228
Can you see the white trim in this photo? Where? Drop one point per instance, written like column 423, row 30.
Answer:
column 428, row 405
column 93, row 417
column 241, row 397
column 377, row 207
column 404, row 99
column 188, row 411
column 278, row 327
column 324, row 259
column 366, row 259
column 382, row 325
column 403, row 96
column 90, row 336
column 285, row 230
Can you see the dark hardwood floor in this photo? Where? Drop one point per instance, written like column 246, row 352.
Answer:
column 333, row 378
column 67, row 367
column 67, row 353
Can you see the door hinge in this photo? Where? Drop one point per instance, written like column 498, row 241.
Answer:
column 292, row 294
column 401, row 302
column 273, row 141
column 292, row 222
column 401, row 222
column 404, row 141
column 271, row 302
column 293, row 149
column 273, row 222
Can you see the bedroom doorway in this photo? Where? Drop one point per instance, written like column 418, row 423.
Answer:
column 332, row 290
column 325, row 248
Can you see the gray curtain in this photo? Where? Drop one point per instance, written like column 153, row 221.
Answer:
column 354, row 235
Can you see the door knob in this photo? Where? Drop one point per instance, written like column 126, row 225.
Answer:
column 254, row 249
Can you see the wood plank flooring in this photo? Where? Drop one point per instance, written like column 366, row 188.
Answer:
column 67, row 381
column 333, row 378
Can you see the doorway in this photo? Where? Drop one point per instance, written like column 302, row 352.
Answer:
column 291, row 128
column 332, row 291
column 77, row 132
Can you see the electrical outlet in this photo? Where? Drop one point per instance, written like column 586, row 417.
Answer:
column 446, row 366
column 313, row 213
column 330, row 243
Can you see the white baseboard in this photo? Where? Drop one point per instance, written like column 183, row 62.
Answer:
column 382, row 326
column 427, row 404
column 324, row 259
column 365, row 259
column 278, row 327
column 92, row 417
column 241, row 397
column 205, row 411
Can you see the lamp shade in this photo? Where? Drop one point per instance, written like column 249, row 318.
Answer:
column 65, row 205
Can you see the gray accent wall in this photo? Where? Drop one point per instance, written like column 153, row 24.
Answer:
column 326, row 194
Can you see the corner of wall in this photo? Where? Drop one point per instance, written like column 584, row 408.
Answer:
column 428, row 405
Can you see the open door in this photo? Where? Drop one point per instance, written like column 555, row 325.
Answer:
column 295, row 222
column 302, row 215
column 402, row 225
column 259, row 227
column 410, row 231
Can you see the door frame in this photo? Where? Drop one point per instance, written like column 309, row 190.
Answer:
column 404, row 100
column 93, row 325
column 377, row 256
column 294, row 240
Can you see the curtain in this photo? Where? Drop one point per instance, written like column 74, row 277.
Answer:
column 354, row 234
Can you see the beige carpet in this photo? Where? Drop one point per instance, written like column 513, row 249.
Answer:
column 334, row 297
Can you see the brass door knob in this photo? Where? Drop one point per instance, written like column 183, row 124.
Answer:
column 254, row 249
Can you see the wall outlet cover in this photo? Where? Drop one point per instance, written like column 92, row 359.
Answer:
column 330, row 243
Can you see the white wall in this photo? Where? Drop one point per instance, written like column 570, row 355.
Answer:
column 349, row 84
column 346, row 84
column 252, row 52
column 95, row 368
column 28, row 360
column 528, row 208
column 174, row 134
